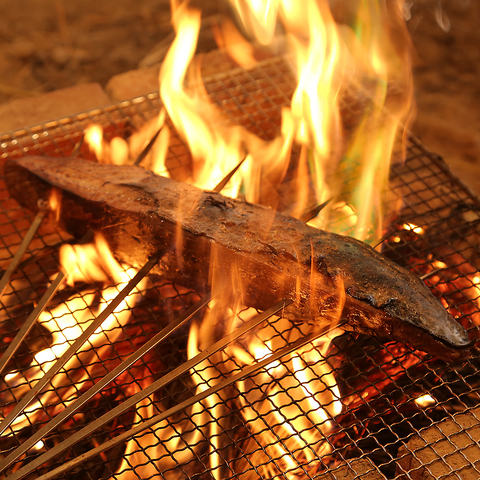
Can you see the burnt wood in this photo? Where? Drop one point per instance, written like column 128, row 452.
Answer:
column 202, row 237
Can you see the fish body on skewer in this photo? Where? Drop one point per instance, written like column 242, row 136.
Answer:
column 201, row 237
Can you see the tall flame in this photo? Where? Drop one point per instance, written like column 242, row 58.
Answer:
column 359, row 59
column 373, row 48
column 213, row 152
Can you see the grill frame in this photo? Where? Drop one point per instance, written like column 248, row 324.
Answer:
column 422, row 181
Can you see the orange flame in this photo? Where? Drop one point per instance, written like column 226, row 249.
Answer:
column 67, row 321
column 94, row 139
column 214, row 153
column 325, row 56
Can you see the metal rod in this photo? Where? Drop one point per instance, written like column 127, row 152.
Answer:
column 76, row 345
column 429, row 274
column 244, row 373
column 37, row 221
column 78, row 146
column 110, row 377
column 147, row 149
column 161, row 382
column 227, row 178
column 385, row 237
column 312, row 213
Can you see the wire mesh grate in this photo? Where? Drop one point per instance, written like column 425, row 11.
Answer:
column 360, row 408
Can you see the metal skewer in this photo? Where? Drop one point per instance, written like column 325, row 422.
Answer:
column 385, row 237
column 311, row 214
column 429, row 274
column 76, row 345
column 245, row 372
column 149, row 146
column 78, row 146
column 37, row 221
column 169, row 377
column 221, row 185
column 110, row 377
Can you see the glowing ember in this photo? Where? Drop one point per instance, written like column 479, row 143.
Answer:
column 438, row 264
column 413, row 228
column 425, row 400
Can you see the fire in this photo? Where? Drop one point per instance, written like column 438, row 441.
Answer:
column 120, row 152
column 299, row 419
column 314, row 158
column 88, row 264
column 55, row 203
column 94, row 139
column 310, row 156
column 215, row 149
column 325, row 58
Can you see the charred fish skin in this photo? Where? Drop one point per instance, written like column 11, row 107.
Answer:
column 269, row 256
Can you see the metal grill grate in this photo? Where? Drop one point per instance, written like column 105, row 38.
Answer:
column 270, row 425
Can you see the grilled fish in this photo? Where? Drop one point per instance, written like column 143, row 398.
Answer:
column 201, row 236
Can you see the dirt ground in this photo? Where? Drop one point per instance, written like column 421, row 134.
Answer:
column 447, row 82
column 50, row 44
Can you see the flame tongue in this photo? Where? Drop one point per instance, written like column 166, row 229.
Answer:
column 325, row 56
column 214, row 152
